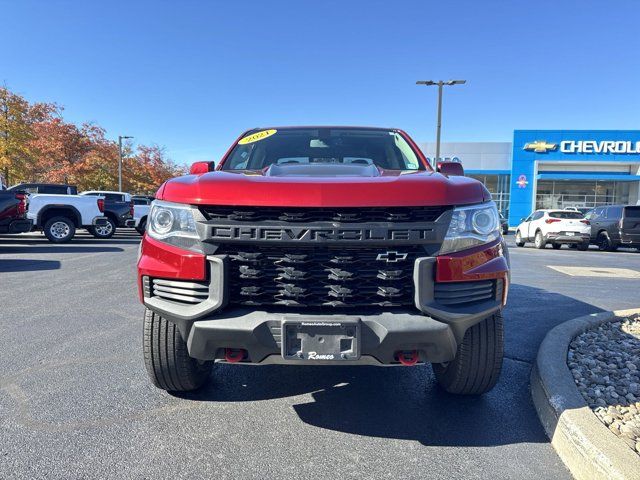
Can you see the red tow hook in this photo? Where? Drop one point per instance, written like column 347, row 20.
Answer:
column 233, row 355
column 408, row 358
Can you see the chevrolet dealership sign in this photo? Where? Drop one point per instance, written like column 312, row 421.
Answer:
column 586, row 146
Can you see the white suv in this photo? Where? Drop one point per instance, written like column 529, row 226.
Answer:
column 556, row 227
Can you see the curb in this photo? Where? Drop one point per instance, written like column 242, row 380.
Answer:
column 586, row 446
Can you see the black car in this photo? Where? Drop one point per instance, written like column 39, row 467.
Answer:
column 504, row 225
column 118, row 208
column 614, row 226
column 48, row 188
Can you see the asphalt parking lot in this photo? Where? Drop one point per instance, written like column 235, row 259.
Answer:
column 75, row 401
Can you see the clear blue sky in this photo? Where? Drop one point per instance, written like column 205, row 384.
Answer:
column 191, row 75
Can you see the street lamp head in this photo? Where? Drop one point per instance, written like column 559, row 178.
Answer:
column 124, row 137
column 441, row 82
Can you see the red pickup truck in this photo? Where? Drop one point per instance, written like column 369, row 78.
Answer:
column 13, row 210
column 329, row 246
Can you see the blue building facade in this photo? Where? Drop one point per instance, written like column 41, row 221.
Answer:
column 583, row 168
column 552, row 168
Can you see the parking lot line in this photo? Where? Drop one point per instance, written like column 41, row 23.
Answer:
column 596, row 271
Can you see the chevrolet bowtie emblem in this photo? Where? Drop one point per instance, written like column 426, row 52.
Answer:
column 540, row 146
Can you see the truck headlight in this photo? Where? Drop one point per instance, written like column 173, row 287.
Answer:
column 173, row 223
column 471, row 226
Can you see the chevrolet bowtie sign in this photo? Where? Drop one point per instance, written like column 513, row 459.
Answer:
column 619, row 147
column 540, row 146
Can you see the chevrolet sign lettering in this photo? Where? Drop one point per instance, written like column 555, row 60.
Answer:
column 605, row 146
column 240, row 233
column 619, row 147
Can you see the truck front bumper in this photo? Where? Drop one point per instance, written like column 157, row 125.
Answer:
column 381, row 336
column 452, row 293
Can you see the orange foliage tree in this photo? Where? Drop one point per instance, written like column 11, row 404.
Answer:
column 37, row 145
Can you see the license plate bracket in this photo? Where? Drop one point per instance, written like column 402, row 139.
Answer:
column 321, row 340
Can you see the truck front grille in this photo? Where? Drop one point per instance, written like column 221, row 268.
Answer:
column 306, row 215
column 322, row 276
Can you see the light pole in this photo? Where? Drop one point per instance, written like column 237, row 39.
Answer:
column 440, row 84
column 120, row 138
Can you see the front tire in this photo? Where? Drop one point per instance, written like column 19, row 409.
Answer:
column 557, row 246
column 103, row 231
column 539, row 240
column 167, row 359
column 519, row 242
column 59, row 229
column 478, row 362
column 142, row 226
column 583, row 247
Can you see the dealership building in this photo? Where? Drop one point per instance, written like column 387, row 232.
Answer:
column 552, row 168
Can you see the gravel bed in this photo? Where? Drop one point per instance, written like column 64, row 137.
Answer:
column 605, row 364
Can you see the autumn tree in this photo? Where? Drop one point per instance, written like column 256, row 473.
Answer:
column 37, row 145
column 17, row 117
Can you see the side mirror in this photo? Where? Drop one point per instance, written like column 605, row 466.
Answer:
column 198, row 168
column 450, row 169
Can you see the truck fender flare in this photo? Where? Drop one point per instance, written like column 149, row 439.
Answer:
column 75, row 214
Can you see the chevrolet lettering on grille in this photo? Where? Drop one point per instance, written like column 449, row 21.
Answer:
column 242, row 233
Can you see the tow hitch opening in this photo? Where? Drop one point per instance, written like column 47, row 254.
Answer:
column 407, row 358
column 234, row 355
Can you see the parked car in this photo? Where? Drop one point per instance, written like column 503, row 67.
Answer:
column 582, row 210
column 52, row 188
column 60, row 215
column 141, row 205
column 266, row 260
column 557, row 227
column 615, row 226
column 504, row 225
column 118, row 208
column 13, row 211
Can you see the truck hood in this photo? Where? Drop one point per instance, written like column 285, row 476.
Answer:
column 323, row 186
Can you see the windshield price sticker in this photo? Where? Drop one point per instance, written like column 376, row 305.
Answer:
column 256, row 137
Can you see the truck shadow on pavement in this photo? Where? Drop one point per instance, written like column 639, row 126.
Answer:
column 11, row 265
column 405, row 403
column 53, row 248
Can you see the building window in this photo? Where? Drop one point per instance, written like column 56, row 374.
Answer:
column 498, row 186
column 562, row 194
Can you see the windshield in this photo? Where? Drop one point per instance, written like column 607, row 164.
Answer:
column 384, row 148
column 570, row 215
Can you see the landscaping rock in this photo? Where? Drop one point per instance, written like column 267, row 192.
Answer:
column 605, row 364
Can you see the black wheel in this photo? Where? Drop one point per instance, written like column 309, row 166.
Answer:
column 556, row 246
column 519, row 242
column 103, row 231
column 59, row 229
column 583, row 246
column 604, row 243
column 142, row 226
column 539, row 240
column 478, row 362
column 166, row 357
